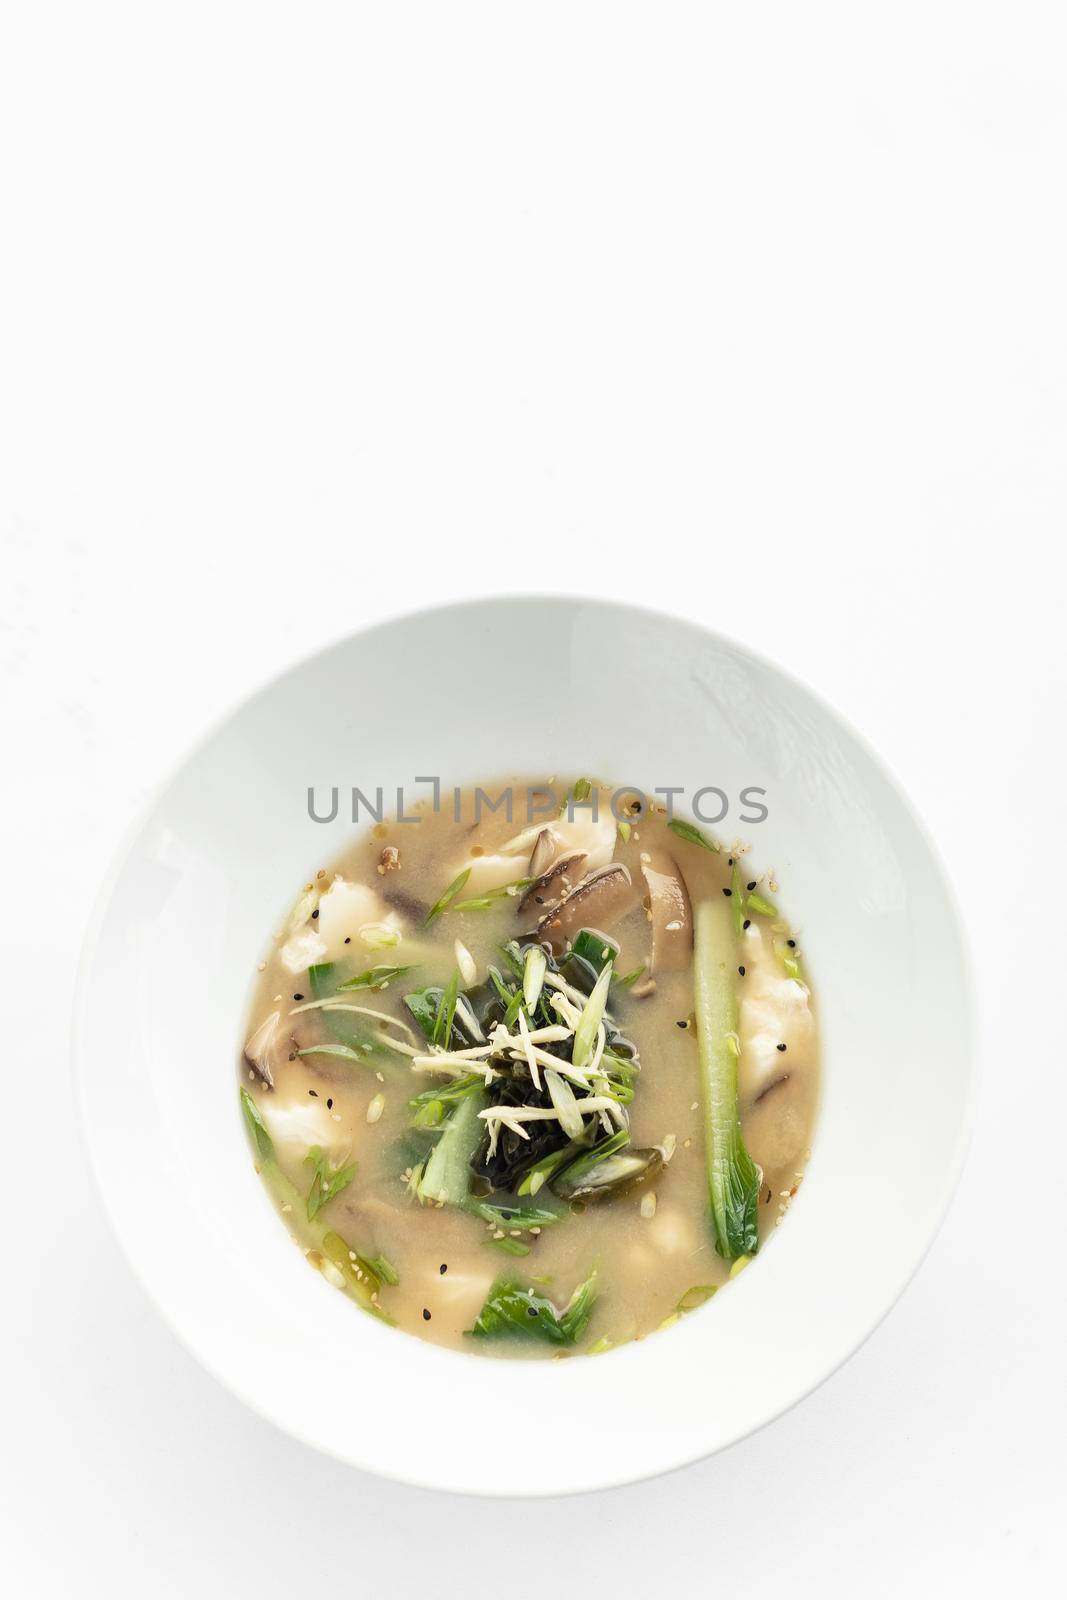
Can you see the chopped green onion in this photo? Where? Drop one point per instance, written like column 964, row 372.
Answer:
column 737, row 898
column 343, row 1051
column 698, row 1295
column 592, row 1015
column 257, row 1127
column 510, row 1247
column 327, row 1182
column 373, row 978
column 449, row 895
column 533, row 977
column 538, row 1175
column 446, row 1013
column 763, row 908
column 386, row 1271
column 692, row 834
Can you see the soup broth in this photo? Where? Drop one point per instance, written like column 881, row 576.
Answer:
column 532, row 1088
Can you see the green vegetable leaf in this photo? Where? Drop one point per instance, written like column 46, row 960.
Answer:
column 423, row 1005
column 692, row 834
column 594, row 947
column 512, row 1312
column 327, row 1182
column 257, row 1127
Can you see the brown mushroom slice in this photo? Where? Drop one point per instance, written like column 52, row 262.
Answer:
column 600, row 899
column 553, row 885
column 259, row 1051
column 672, row 915
column 546, row 849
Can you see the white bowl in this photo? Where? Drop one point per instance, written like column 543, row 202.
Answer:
column 471, row 692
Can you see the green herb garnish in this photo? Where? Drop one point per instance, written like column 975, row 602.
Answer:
column 344, row 1051
column 449, row 895
column 257, row 1127
column 327, row 1182
column 692, row 834
column 446, row 1013
column 385, row 1270
column 698, row 1295
column 373, row 978
column 513, row 1216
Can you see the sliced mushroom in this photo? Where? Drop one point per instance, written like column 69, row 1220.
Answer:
column 553, row 885
column 672, row 915
column 537, row 848
column 600, row 899
column 545, row 851
column 259, row 1051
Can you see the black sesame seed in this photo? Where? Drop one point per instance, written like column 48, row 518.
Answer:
column 741, row 970
column 791, row 943
column 751, row 885
column 728, row 893
column 314, row 1093
column 781, row 1047
column 298, row 997
column 746, row 923
column 425, row 1315
column 531, row 1311
column 681, row 1024
column 329, row 1105
column 348, row 941
column 444, row 1268
column 315, row 913
column 730, row 861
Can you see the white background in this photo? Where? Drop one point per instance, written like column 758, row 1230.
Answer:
column 310, row 314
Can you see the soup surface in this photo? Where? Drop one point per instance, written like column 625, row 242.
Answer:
column 530, row 1088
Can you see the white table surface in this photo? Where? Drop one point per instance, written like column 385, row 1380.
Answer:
column 311, row 314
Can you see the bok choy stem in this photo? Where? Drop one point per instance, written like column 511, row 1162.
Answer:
column 446, row 1177
column 733, row 1177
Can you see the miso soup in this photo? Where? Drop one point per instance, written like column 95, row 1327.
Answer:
column 533, row 1087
